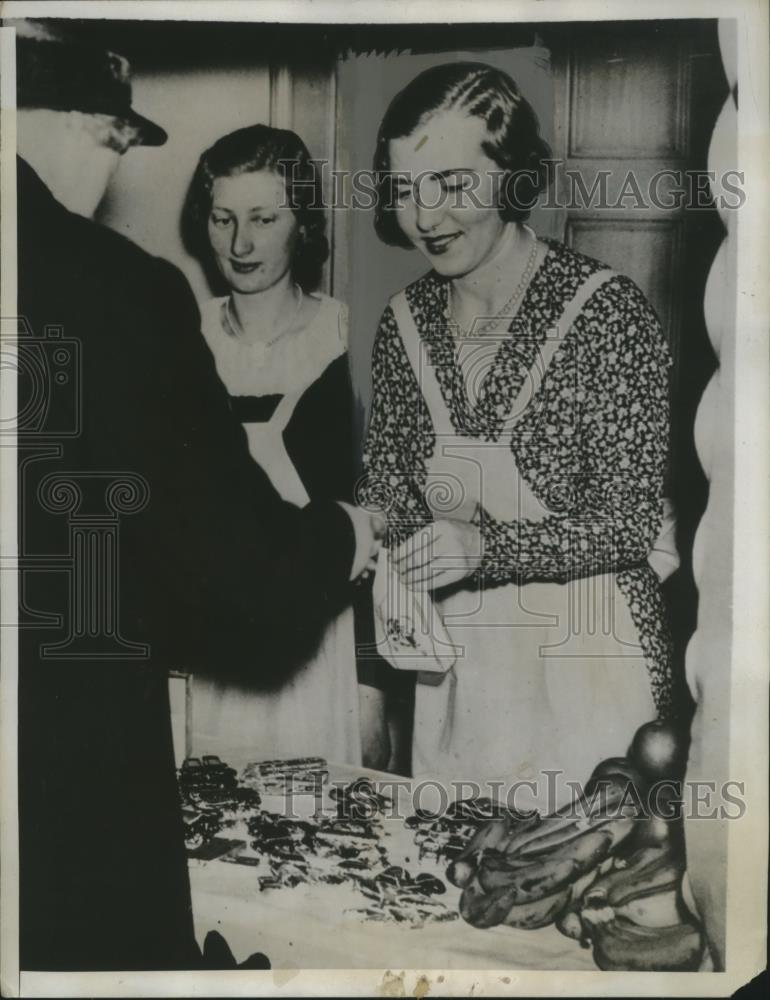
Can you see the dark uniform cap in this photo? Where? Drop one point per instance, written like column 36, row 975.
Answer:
column 57, row 72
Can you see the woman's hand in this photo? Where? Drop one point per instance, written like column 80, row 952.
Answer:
column 440, row 554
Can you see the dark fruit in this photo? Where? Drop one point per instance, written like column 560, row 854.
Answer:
column 659, row 750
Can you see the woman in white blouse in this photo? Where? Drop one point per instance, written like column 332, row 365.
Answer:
column 280, row 347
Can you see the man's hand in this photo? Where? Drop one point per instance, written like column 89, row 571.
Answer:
column 440, row 554
column 370, row 530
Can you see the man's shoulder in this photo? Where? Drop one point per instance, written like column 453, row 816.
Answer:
column 82, row 245
column 113, row 250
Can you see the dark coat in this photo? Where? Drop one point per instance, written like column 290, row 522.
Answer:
column 215, row 572
column 320, row 442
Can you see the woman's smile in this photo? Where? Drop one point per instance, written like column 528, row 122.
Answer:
column 437, row 245
column 244, row 266
column 434, row 165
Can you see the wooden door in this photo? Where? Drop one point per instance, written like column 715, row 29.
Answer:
column 636, row 101
column 623, row 116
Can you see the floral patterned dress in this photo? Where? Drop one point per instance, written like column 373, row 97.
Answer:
column 562, row 637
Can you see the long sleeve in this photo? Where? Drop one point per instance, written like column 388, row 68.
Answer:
column 394, row 457
column 262, row 574
column 608, row 510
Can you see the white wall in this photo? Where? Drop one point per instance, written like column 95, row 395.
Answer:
column 196, row 108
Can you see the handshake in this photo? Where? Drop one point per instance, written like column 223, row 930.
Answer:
column 442, row 553
column 369, row 528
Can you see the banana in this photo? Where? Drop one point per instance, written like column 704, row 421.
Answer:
column 543, row 826
column 649, row 871
column 532, row 871
column 550, row 839
column 571, row 820
column 579, row 856
column 503, row 906
column 538, row 913
column 622, row 944
column 496, row 871
column 460, row 872
column 618, row 769
column 587, row 851
column 580, row 884
column 476, row 906
column 548, row 873
column 619, row 827
column 488, row 837
column 632, row 915
column 660, row 910
column 612, row 795
column 486, row 909
column 570, row 924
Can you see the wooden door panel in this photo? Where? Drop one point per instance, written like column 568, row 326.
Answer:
column 625, row 104
column 649, row 252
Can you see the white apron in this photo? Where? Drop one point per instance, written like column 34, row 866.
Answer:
column 548, row 675
column 315, row 711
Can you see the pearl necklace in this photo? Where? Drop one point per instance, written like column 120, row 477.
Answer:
column 505, row 309
column 235, row 329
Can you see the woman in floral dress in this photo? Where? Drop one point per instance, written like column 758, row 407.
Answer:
column 518, row 441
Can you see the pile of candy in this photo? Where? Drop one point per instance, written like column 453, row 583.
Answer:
column 300, row 776
column 397, row 895
column 348, row 849
column 444, row 837
column 314, row 851
column 211, row 798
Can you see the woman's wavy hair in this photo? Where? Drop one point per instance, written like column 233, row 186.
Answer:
column 514, row 143
column 247, row 150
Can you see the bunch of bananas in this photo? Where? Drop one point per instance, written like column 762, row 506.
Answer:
column 604, row 869
column 634, row 916
column 521, row 872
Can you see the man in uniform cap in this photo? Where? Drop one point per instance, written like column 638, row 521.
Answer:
column 216, row 571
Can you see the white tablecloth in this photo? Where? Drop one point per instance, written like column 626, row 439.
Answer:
column 306, row 926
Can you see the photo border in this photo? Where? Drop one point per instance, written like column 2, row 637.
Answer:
column 747, row 840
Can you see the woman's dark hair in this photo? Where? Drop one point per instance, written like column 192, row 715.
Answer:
column 481, row 91
column 247, row 150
